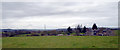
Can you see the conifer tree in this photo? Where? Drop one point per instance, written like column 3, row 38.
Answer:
column 84, row 29
column 79, row 29
column 94, row 26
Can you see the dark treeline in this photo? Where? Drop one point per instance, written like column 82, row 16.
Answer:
column 78, row 31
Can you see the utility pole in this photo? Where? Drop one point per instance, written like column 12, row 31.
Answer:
column 44, row 27
column 81, row 26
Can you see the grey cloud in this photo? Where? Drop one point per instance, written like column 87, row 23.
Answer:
column 13, row 11
column 20, row 9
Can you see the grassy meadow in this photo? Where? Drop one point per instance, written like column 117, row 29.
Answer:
column 61, row 42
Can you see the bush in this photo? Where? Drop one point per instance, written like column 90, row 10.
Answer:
column 82, row 33
column 34, row 34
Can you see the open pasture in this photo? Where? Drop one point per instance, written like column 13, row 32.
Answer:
column 61, row 42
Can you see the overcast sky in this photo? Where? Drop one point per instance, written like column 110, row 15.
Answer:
column 34, row 15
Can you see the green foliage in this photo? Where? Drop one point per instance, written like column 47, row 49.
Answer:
column 23, row 35
column 61, row 42
column 73, row 33
column 82, row 33
column 63, row 33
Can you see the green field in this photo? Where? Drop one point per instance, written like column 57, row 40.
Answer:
column 61, row 42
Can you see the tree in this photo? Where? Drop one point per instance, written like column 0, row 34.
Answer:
column 79, row 29
column 84, row 29
column 94, row 26
column 94, row 29
column 69, row 29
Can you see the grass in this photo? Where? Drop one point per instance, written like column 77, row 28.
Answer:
column 0, row 42
column 61, row 42
column 117, row 32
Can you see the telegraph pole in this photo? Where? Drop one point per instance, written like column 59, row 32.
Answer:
column 44, row 27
